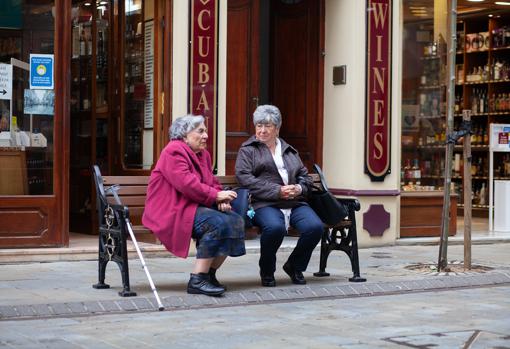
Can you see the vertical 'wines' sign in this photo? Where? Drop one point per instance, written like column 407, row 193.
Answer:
column 203, row 66
column 378, row 90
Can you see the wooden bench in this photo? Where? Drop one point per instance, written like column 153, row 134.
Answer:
column 132, row 191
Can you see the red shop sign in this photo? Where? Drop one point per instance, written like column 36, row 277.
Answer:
column 378, row 90
column 203, row 66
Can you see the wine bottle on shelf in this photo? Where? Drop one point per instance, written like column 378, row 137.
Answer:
column 89, row 45
column 485, row 72
column 497, row 70
column 416, row 172
column 407, row 171
column 481, row 103
column 100, row 50
column 473, row 137
column 479, row 136
column 83, row 44
column 474, row 103
column 482, row 195
column 473, row 168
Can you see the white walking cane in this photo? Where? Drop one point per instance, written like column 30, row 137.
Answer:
column 113, row 189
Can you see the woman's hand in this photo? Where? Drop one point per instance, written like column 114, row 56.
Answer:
column 290, row 192
column 224, row 207
column 225, row 196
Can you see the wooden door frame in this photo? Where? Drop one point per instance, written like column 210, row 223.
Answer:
column 317, row 152
column 320, row 89
column 52, row 209
column 252, row 75
column 63, row 44
column 162, row 82
column 167, row 78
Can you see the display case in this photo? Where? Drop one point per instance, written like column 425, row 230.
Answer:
column 90, row 111
column 424, row 113
column 483, row 86
column 135, row 91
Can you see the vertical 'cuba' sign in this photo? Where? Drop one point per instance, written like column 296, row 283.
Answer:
column 378, row 90
column 203, row 66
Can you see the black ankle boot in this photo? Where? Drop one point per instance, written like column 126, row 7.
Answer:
column 295, row 275
column 267, row 280
column 200, row 284
column 213, row 280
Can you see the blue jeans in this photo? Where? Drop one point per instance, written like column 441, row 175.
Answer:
column 272, row 223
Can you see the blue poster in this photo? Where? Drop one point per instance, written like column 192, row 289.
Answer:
column 41, row 71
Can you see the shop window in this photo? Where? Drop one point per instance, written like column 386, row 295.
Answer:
column 482, row 86
column 137, row 121
column 423, row 98
column 27, row 97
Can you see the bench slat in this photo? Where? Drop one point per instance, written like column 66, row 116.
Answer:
column 132, row 190
column 126, row 180
column 129, row 201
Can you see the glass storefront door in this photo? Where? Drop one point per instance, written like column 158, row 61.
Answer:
column 137, row 121
column 30, row 154
column 27, row 99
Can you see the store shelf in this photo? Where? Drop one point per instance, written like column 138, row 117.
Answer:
column 500, row 48
column 482, row 178
column 442, row 147
column 430, row 87
column 500, row 81
column 477, row 51
column 476, row 207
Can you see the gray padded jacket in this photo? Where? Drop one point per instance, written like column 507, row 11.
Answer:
column 256, row 170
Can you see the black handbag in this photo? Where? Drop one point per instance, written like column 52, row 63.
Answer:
column 242, row 205
column 327, row 207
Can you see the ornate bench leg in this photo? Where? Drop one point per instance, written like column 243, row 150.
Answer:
column 126, row 292
column 325, row 251
column 102, row 261
column 353, row 256
column 102, row 270
column 122, row 262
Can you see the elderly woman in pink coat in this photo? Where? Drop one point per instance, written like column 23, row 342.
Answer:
column 185, row 201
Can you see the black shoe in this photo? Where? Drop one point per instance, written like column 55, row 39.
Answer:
column 267, row 280
column 213, row 280
column 200, row 284
column 296, row 276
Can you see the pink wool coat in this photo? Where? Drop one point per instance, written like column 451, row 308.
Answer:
column 181, row 180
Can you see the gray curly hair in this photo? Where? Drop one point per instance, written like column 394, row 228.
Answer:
column 183, row 125
column 267, row 114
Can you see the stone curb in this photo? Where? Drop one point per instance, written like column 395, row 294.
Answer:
column 261, row 296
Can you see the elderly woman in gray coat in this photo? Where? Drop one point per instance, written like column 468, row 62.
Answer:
column 278, row 183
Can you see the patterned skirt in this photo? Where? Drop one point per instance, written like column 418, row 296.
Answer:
column 218, row 233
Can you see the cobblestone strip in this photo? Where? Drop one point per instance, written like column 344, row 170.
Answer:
column 260, row 296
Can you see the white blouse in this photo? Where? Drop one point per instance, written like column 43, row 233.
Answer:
column 278, row 160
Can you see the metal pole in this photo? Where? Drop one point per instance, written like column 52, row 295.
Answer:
column 467, row 193
column 452, row 47
column 113, row 189
column 144, row 266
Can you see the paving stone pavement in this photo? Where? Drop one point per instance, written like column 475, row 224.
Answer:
column 63, row 289
column 469, row 318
